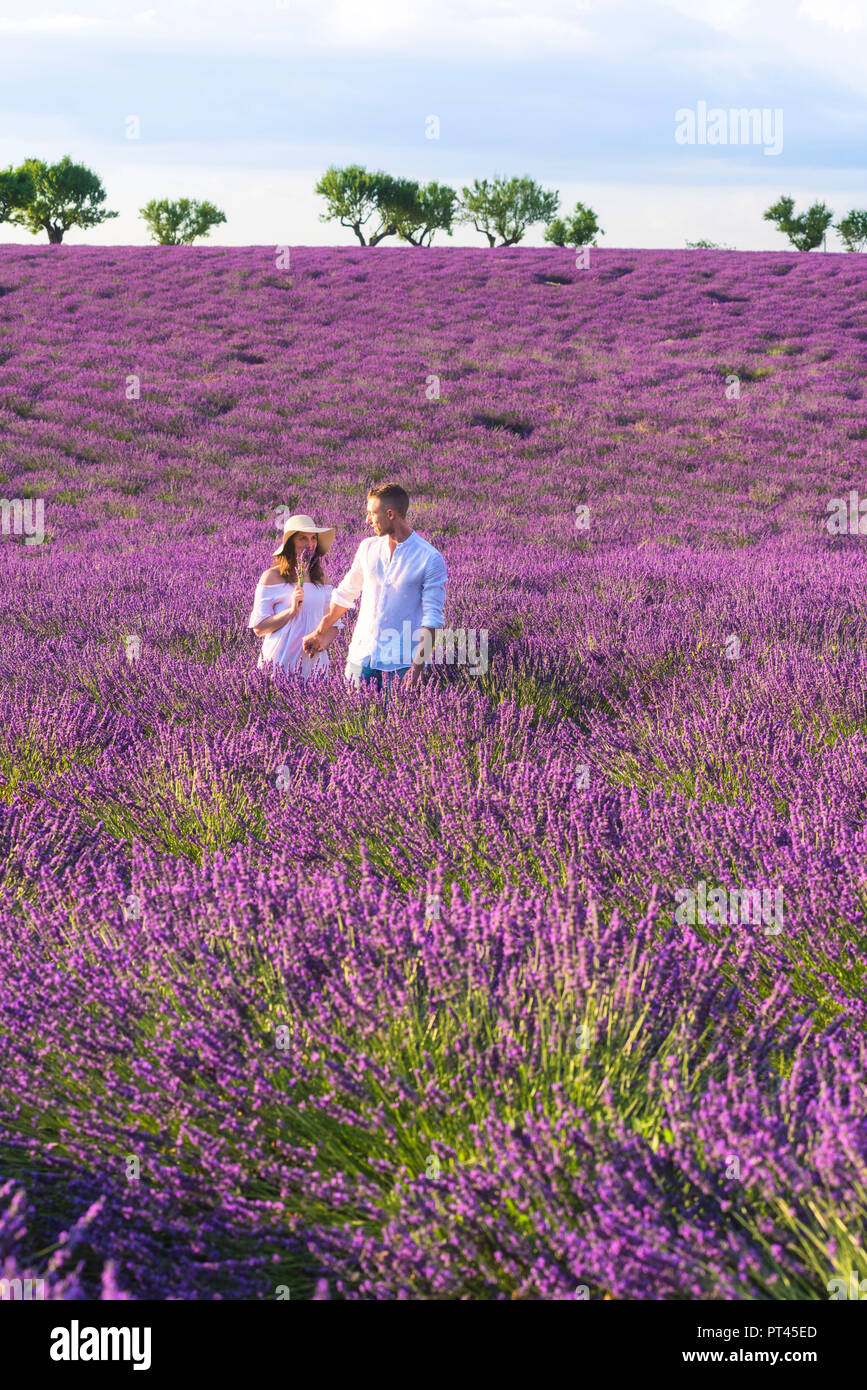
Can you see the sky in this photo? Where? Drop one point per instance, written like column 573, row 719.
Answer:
column 248, row 104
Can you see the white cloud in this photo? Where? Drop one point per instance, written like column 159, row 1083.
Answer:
column 827, row 36
column 502, row 28
column 506, row 28
column 46, row 23
column 837, row 14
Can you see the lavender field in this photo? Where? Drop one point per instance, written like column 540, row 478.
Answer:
column 307, row 995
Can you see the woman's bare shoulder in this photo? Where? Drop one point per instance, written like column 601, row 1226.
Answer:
column 272, row 576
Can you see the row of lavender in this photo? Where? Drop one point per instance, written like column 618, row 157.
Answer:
column 544, row 981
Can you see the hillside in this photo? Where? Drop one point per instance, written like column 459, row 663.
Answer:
column 508, row 1067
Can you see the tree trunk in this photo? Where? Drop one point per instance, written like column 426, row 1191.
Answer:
column 55, row 235
column 388, row 230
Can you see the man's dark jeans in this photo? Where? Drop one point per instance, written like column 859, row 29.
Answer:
column 357, row 673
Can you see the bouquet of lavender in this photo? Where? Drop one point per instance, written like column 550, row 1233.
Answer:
column 302, row 574
column 303, row 563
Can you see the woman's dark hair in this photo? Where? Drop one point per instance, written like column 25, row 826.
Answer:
column 286, row 564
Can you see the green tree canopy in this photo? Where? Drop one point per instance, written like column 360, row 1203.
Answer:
column 16, row 190
column 434, row 209
column 354, row 194
column 581, row 229
column 179, row 223
column 852, row 230
column 505, row 208
column 62, row 195
column 804, row 231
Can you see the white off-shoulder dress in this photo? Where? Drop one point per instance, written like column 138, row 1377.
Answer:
column 283, row 647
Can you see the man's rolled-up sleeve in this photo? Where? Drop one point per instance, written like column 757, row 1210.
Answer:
column 351, row 584
column 433, row 592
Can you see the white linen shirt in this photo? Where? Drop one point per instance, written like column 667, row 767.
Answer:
column 401, row 592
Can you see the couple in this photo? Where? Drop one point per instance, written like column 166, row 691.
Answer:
column 400, row 577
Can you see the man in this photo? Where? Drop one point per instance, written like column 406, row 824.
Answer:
column 402, row 582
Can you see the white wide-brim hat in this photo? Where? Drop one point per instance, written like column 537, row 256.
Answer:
column 324, row 534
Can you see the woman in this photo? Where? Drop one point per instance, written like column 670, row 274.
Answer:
column 284, row 609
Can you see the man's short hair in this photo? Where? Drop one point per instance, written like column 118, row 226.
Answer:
column 391, row 495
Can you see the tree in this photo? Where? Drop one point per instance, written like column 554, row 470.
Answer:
column 852, row 230
column 581, row 229
column 355, row 194
column 63, row 195
column 16, row 190
column 804, row 231
column 434, row 209
column 704, row 245
column 178, row 224
column 506, row 208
